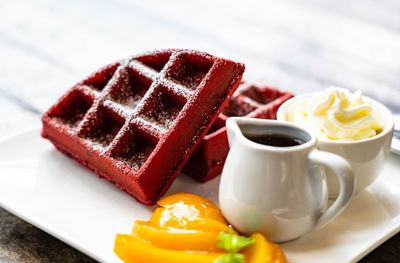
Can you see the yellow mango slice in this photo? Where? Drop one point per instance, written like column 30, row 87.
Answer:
column 263, row 251
column 191, row 240
column 172, row 218
column 135, row 250
column 156, row 216
column 191, row 205
column 185, row 229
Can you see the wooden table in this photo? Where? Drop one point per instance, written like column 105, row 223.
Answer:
column 46, row 46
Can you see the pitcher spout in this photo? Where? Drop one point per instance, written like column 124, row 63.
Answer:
column 233, row 130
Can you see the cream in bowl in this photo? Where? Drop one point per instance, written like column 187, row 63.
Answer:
column 353, row 126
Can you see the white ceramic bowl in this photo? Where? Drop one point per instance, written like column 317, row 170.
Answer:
column 366, row 157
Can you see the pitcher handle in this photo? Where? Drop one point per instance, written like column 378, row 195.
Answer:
column 343, row 172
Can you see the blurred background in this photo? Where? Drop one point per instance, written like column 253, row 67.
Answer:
column 300, row 45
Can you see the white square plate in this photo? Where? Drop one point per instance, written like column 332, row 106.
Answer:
column 63, row 198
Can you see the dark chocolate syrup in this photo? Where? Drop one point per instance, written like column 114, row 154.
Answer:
column 277, row 140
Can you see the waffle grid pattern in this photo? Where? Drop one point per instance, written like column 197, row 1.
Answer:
column 249, row 100
column 125, row 114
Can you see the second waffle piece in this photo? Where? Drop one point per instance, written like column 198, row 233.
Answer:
column 136, row 122
column 249, row 100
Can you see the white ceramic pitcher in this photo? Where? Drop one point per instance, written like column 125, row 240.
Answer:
column 272, row 190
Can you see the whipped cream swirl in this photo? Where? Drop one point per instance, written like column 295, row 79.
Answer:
column 336, row 114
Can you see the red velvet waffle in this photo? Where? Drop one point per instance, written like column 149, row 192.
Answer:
column 248, row 101
column 136, row 122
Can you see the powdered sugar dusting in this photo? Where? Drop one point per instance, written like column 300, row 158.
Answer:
column 187, row 71
column 88, row 91
column 135, row 105
column 178, row 89
column 143, row 69
column 135, row 161
column 133, row 101
column 134, row 145
column 73, row 108
column 162, row 107
column 161, row 118
column 151, row 126
column 121, row 110
column 71, row 122
column 128, row 88
column 102, row 140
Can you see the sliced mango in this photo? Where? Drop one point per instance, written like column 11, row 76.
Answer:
column 185, row 229
column 172, row 218
column 132, row 249
column 176, row 239
column 191, row 205
column 263, row 251
column 156, row 216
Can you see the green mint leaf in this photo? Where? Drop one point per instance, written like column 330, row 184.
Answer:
column 222, row 259
column 242, row 242
column 230, row 258
column 234, row 243
column 225, row 241
column 237, row 258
